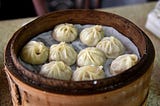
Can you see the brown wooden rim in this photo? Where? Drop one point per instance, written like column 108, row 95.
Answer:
column 80, row 87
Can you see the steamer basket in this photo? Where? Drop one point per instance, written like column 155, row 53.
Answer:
column 129, row 88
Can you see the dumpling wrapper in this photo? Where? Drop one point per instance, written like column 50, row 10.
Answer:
column 91, row 56
column 34, row 53
column 122, row 63
column 111, row 46
column 88, row 73
column 63, row 52
column 65, row 32
column 57, row 70
column 92, row 35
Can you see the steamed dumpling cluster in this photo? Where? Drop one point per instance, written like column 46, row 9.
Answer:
column 34, row 53
column 59, row 58
column 65, row 32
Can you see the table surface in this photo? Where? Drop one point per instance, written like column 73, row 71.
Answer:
column 135, row 13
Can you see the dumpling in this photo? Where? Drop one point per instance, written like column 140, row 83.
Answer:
column 65, row 32
column 88, row 73
column 92, row 35
column 122, row 63
column 34, row 53
column 57, row 70
column 91, row 56
column 63, row 52
column 111, row 46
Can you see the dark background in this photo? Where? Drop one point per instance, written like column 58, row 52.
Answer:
column 13, row 9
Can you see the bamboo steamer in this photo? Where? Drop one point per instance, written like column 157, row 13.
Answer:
column 129, row 88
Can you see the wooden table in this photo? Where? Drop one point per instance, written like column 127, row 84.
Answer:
column 135, row 13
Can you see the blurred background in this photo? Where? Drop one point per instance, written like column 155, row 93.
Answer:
column 13, row 9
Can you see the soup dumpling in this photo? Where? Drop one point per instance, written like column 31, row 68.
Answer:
column 91, row 56
column 57, row 70
column 88, row 73
column 34, row 53
column 122, row 63
column 92, row 35
column 65, row 32
column 63, row 52
column 111, row 46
